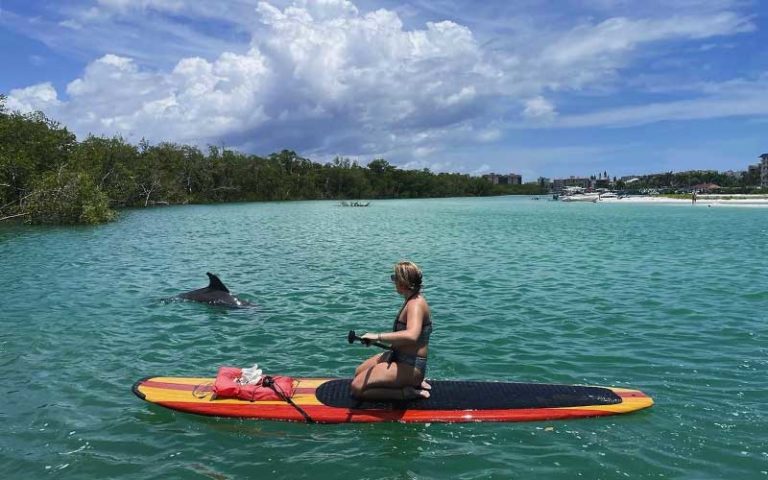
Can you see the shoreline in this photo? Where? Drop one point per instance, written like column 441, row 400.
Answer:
column 702, row 200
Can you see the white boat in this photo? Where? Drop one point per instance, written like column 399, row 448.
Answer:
column 580, row 197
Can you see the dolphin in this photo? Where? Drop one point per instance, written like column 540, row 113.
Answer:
column 216, row 293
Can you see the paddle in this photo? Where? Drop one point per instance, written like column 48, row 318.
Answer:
column 351, row 337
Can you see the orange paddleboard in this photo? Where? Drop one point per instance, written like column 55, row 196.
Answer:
column 327, row 400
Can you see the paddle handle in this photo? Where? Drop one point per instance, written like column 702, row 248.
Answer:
column 351, row 337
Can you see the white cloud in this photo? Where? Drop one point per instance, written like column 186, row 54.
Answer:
column 489, row 135
column 197, row 102
column 539, row 108
column 617, row 35
column 124, row 5
column 42, row 96
column 467, row 94
column 699, row 109
column 424, row 151
column 71, row 24
column 326, row 78
column 421, row 164
column 481, row 170
column 590, row 55
column 328, row 9
column 735, row 98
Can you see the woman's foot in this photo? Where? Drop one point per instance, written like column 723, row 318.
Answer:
column 425, row 386
column 413, row 393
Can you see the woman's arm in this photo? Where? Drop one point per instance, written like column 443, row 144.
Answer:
column 415, row 314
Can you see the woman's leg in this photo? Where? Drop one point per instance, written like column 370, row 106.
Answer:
column 388, row 381
column 369, row 363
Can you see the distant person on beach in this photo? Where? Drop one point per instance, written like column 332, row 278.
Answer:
column 399, row 373
column 693, row 197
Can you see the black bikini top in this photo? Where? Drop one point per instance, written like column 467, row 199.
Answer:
column 426, row 328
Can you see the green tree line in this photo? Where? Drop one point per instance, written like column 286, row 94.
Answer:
column 48, row 176
column 740, row 182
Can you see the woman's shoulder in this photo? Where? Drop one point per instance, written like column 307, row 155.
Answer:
column 419, row 299
column 419, row 302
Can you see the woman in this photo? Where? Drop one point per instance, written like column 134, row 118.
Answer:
column 398, row 374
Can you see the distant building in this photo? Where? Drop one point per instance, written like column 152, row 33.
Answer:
column 511, row 179
column 602, row 183
column 764, row 170
column 582, row 182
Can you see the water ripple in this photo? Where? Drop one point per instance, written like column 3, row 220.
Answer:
column 666, row 299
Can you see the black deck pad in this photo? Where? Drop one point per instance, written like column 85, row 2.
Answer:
column 450, row 395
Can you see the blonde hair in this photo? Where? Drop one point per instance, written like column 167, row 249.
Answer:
column 408, row 274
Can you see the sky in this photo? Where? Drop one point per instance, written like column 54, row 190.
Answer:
column 550, row 88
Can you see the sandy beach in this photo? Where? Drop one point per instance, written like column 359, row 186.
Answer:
column 702, row 200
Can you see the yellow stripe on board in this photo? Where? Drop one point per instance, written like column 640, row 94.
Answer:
column 627, row 405
column 163, row 395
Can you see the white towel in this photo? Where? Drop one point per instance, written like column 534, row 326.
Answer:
column 251, row 376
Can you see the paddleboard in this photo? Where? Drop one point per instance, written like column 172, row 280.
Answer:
column 327, row 400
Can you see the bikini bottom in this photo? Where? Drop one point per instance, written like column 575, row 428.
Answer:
column 415, row 361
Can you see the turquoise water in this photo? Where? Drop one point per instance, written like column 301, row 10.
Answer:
column 670, row 299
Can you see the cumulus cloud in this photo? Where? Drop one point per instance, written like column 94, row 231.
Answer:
column 325, row 78
column 37, row 97
column 196, row 102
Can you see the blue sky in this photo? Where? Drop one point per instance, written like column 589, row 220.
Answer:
column 540, row 88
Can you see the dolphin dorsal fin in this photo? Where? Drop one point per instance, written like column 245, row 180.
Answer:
column 215, row 283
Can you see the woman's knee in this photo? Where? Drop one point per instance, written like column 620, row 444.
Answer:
column 357, row 386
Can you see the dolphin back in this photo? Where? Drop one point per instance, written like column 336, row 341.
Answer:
column 216, row 293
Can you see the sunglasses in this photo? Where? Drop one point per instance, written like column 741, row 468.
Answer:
column 392, row 278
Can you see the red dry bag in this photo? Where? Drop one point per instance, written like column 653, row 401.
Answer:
column 226, row 386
